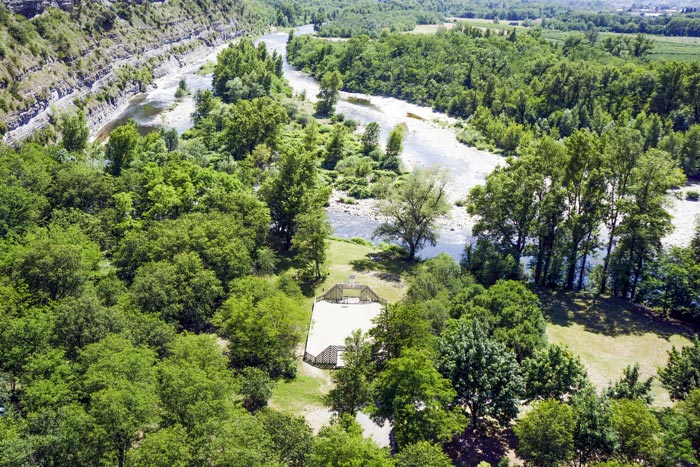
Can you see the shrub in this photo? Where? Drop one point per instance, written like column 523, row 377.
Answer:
column 361, row 241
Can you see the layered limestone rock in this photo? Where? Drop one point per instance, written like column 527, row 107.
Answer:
column 30, row 8
column 100, row 72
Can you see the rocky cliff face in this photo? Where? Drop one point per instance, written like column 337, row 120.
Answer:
column 102, row 58
column 30, row 8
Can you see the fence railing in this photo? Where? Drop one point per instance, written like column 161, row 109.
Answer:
column 341, row 292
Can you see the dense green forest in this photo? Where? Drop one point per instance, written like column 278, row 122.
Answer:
column 350, row 18
column 155, row 288
column 521, row 84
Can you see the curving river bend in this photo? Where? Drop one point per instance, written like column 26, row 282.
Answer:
column 427, row 143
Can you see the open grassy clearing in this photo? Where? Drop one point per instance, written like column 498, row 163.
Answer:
column 608, row 334
column 303, row 393
column 385, row 274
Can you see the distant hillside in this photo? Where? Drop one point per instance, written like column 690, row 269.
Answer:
column 94, row 55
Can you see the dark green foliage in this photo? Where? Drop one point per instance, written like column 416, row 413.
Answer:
column 223, row 242
column 594, row 437
column 335, row 149
column 554, row 373
column 690, row 411
column 342, row 444
column 119, row 382
column 311, row 240
column 122, row 146
column 352, row 390
column 26, row 179
column 677, row 437
column 398, row 327
column 166, row 447
column 370, row 138
column 204, row 101
column 252, row 122
column 262, row 325
column 331, row 84
column 53, row 262
column 194, row 383
column 292, row 190
column 75, row 132
column 637, row 430
column 182, row 291
column 256, row 388
column 631, row 387
column 514, row 317
column 671, row 283
column 416, row 399
column 484, row 374
column 244, row 71
column 553, row 201
column 422, row 454
column 83, row 320
column 291, row 436
column 546, row 434
column 394, row 146
column 682, row 372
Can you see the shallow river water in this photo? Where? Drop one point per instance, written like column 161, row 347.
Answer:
column 428, row 142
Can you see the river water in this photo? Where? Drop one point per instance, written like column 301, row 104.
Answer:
column 428, row 142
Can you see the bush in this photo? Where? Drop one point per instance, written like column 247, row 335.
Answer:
column 692, row 196
column 361, row 241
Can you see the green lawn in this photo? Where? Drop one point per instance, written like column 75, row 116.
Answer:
column 385, row 274
column 300, row 395
column 608, row 334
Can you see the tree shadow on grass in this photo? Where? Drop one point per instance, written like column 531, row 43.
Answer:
column 476, row 445
column 605, row 315
column 389, row 265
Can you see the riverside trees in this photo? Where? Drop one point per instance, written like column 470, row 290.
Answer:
column 556, row 197
column 412, row 210
column 520, row 85
column 331, row 84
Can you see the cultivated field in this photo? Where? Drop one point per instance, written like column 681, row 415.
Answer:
column 665, row 47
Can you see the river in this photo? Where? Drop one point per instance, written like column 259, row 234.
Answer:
column 428, row 142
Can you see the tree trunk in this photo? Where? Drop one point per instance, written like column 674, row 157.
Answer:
column 411, row 252
column 582, row 271
column 287, row 240
column 606, row 260
column 571, row 268
column 540, row 263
